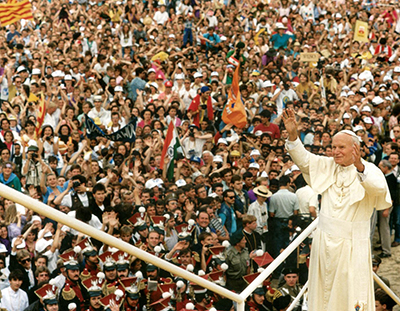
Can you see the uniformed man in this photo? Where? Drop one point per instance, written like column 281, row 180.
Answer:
column 94, row 286
column 48, row 297
column 91, row 259
column 72, row 291
column 110, row 272
column 132, row 294
column 291, row 287
column 122, row 263
column 256, row 300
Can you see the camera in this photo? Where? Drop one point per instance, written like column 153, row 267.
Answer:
column 76, row 184
column 34, row 156
column 209, row 245
column 48, row 138
column 30, row 104
column 191, row 132
column 204, row 107
column 286, row 86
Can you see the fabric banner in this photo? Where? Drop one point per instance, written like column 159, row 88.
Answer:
column 361, row 32
column 127, row 133
column 13, row 11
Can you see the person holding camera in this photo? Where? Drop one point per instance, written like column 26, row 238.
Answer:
column 32, row 166
column 78, row 197
column 193, row 141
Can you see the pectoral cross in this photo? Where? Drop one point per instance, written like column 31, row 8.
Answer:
column 341, row 195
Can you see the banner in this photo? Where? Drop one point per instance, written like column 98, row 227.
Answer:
column 309, row 57
column 127, row 133
column 234, row 111
column 13, row 11
column 361, row 32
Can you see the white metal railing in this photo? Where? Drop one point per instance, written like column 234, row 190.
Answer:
column 106, row 238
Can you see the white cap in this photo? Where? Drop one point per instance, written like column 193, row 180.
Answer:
column 346, row 116
column 396, row 69
column 153, row 84
column 254, row 165
column 21, row 246
column 338, row 15
column 254, row 152
column 366, row 109
column 46, row 235
column 68, row 78
column 179, row 76
column 214, row 74
column 222, row 141
column 377, row 100
column 3, row 248
column 36, row 71
column 171, row 36
column 218, row 159
column 42, row 244
column 345, row 88
column 349, row 93
column 180, row 183
column 36, row 218
column 198, row 75
column 354, row 107
column 363, row 90
column 358, row 128
column 118, row 88
column 151, row 70
column 21, row 68
column 150, row 184
column 368, row 120
column 258, row 133
column 267, row 84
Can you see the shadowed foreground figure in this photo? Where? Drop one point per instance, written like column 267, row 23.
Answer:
column 340, row 274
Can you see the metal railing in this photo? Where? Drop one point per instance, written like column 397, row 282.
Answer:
column 240, row 299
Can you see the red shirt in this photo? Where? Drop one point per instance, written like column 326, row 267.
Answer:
column 272, row 129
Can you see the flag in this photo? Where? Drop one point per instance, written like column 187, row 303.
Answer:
column 234, row 112
column 32, row 98
column 41, row 114
column 13, row 11
column 171, row 146
column 361, row 32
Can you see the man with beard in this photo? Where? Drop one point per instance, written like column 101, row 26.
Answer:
column 72, row 291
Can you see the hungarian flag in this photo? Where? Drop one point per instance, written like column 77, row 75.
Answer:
column 41, row 114
column 234, row 112
column 13, row 11
column 170, row 149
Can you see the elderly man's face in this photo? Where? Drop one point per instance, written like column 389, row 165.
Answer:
column 343, row 147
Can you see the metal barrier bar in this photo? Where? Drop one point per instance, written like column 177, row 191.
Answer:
column 71, row 222
column 278, row 260
column 298, row 297
column 386, row 288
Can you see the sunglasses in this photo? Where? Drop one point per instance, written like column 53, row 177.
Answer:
column 25, row 260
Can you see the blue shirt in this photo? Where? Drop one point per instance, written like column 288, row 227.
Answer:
column 281, row 41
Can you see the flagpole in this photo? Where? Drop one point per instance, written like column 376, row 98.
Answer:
column 177, row 136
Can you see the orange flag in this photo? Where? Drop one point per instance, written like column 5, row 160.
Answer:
column 13, row 11
column 234, row 112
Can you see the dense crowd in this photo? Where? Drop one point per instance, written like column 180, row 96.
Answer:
column 235, row 199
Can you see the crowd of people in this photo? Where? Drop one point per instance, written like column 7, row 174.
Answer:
column 235, row 198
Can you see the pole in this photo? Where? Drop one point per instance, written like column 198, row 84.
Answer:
column 386, row 288
column 108, row 239
column 240, row 306
column 298, row 297
column 278, row 260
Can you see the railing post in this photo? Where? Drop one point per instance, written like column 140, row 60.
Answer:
column 240, row 306
column 298, row 297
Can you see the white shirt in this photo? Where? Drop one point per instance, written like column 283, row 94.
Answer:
column 261, row 213
column 94, row 222
column 161, row 18
column 187, row 96
column 14, row 301
column 103, row 115
column 67, row 200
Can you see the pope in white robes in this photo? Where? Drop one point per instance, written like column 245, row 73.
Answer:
column 340, row 276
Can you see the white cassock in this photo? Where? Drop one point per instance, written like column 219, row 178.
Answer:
column 14, row 301
column 340, row 276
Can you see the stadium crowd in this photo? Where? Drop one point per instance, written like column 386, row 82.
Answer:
column 234, row 199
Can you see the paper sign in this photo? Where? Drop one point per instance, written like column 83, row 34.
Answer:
column 361, row 32
column 309, row 57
